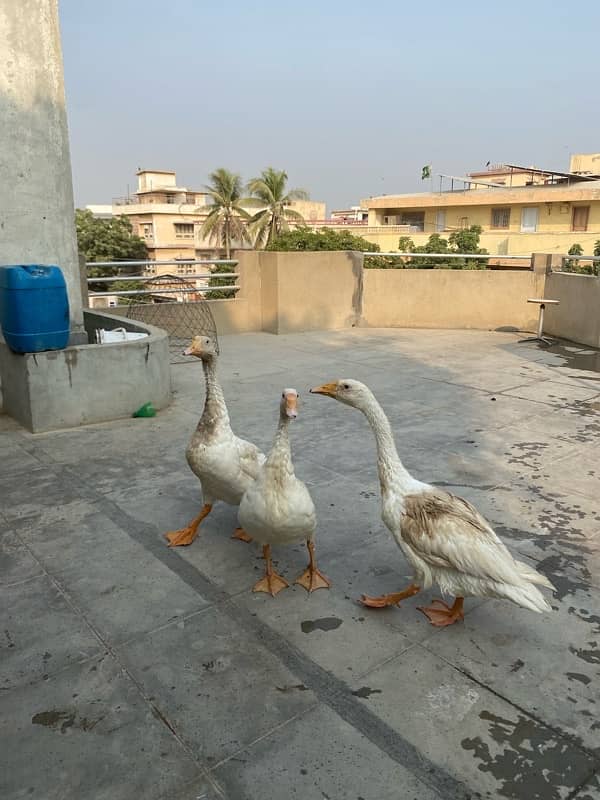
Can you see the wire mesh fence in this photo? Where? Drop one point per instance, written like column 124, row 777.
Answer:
column 182, row 321
column 171, row 302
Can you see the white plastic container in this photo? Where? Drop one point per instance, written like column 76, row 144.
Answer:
column 117, row 335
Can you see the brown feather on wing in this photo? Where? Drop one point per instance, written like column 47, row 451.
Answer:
column 428, row 509
column 447, row 531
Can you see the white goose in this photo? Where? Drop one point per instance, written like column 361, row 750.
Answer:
column 277, row 508
column 225, row 464
column 444, row 538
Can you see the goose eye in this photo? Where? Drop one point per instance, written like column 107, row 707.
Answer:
column 346, row 386
column 283, row 394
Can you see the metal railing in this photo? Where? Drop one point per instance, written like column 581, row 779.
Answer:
column 421, row 260
column 480, row 256
column 167, row 278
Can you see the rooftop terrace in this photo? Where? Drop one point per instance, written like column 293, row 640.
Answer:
column 131, row 670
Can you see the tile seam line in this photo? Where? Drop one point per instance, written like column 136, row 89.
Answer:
column 329, row 689
column 305, row 712
column 157, row 713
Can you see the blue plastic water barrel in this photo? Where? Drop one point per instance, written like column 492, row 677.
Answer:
column 34, row 307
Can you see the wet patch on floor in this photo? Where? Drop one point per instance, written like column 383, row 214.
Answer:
column 323, row 624
column 365, row 692
column 63, row 720
column 530, row 762
column 576, row 357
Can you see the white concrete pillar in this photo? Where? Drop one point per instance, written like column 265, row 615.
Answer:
column 36, row 193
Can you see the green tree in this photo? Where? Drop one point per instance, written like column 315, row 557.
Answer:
column 304, row 238
column 462, row 241
column 226, row 218
column 572, row 264
column 406, row 244
column 216, row 281
column 585, row 268
column 466, row 240
column 435, row 244
column 270, row 194
column 596, row 264
column 108, row 240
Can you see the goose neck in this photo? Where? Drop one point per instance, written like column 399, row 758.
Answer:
column 390, row 468
column 215, row 408
column 279, row 459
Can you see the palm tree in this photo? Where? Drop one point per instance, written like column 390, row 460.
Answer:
column 269, row 194
column 226, row 218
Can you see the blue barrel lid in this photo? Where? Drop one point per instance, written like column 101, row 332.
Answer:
column 23, row 276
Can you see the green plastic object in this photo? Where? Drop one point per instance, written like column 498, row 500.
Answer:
column 147, row 410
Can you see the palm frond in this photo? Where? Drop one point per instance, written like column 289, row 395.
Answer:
column 252, row 202
column 269, row 192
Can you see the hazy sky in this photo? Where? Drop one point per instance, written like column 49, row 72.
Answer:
column 350, row 98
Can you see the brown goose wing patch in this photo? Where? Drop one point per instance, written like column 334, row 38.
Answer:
column 447, row 531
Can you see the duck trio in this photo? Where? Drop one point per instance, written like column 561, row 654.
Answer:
column 444, row 538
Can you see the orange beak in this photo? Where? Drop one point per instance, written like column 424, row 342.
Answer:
column 330, row 389
column 291, row 405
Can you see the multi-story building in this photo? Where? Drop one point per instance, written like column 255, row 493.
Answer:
column 169, row 218
column 520, row 209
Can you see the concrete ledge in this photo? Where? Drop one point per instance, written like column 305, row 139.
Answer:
column 87, row 383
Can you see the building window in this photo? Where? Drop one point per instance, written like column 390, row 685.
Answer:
column 501, row 218
column 184, row 230
column 150, row 269
column 146, row 230
column 579, row 220
column 416, row 219
column 529, row 219
column 463, row 223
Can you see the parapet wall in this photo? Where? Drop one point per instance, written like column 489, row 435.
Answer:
column 294, row 292
column 444, row 298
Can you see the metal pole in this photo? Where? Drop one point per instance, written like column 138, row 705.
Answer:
column 154, row 278
column 182, row 261
column 541, row 321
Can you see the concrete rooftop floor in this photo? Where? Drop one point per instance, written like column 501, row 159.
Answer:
column 130, row 670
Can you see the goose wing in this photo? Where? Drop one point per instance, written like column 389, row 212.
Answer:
column 250, row 457
column 446, row 531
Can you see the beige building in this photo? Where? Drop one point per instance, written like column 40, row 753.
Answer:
column 169, row 219
column 520, row 210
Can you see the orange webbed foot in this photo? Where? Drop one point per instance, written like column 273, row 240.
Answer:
column 186, row 536
column 241, row 535
column 271, row 584
column 387, row 600
column 313, row 579
column 445, row 614
column 181, row 538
